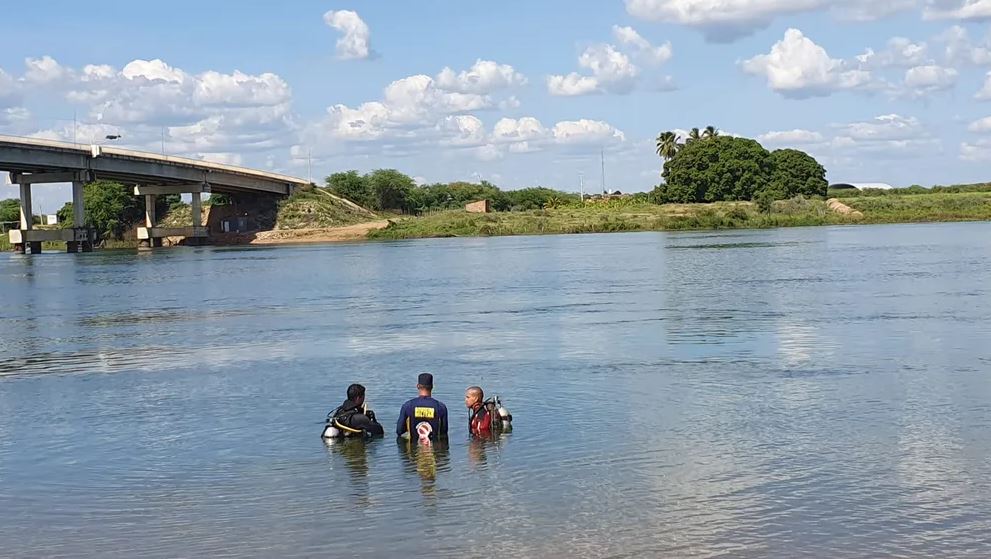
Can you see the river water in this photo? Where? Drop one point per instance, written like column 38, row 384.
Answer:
column 818, row 392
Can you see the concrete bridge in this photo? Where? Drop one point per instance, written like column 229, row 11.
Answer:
column 33, row 162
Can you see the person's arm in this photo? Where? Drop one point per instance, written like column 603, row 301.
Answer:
column 442, row 421
column 402, row 426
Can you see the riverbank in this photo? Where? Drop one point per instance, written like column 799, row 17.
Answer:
column 629, row 216
column 624, row 215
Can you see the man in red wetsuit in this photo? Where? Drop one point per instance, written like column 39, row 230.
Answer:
column 480, row 420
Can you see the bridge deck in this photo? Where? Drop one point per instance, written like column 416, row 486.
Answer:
column 31, row 155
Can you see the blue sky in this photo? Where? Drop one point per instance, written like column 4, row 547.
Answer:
column 888, row 91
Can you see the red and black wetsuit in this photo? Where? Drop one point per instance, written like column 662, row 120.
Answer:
column 480, row 422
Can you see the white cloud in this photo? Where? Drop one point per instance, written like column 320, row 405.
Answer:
column 859, row 10
column 44, row 70
column 985, row 93
column 651, row 54
column 719, row 20
column 960, row 49
column 979, row 151
column 519, row 130
column 153, row 70
column 612, row 72
column 462, row 130
column 355, row 44
column 484, row 77
column 14, row 115
column 586, row 131
column 799, row 68
column 923, row 80
column 728, row 20
column 899, row 52
column 957, row 9
column 571, row 85
column 239, row 89
column 790, row 137
column 981, row 126
column 891, row 127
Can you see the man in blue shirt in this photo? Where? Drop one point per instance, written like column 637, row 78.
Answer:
column 425, row 410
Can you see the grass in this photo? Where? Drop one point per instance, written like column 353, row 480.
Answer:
column 316, row 208
column 593, row 218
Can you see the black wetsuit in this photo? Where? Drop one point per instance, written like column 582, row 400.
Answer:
column 350, row 416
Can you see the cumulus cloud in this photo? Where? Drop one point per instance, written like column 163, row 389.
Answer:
column 976, row 152
column 799, row 68
column 44, row 70
column 728, row 20
column 981, row 126
column 957, row 9
column 651, row 54
column 890, row 127
column 959, row 49
column 719, row 20
column 985, row 93
column 355, row 44
column 611, row 72
column 923, row 80
column 899, row 52
column 484, row 77
column 790, row 137
column 210, row 112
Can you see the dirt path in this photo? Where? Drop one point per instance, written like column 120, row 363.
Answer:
column 356, row 232
column 322, row 235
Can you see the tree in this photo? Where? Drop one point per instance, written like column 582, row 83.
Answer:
column 10, row 210
column 710, row 132
column 110, row 208
column 693, row 135
column 796, row 172
column 391, row 189
column 722, row 168
column 352, row 186
column 667, row 145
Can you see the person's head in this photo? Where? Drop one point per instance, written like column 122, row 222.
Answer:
column 473, row 397
column 356, row 394
column 425, row 384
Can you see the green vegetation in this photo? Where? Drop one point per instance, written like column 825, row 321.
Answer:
column 10, row 210
column 634, row 214
column 314, row 207
column 708, row 167
column 389, row 190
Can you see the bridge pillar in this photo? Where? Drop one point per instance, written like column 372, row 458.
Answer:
column 27, row 238
column 27, row 220
column 151, row 234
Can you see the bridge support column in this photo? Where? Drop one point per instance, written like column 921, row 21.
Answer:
column 151, row 234
column 27, row 221
column 27, row 238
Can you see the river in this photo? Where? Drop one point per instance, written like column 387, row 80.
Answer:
column 810, row 392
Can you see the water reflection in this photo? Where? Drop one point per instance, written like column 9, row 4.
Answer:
column 353, row 454
column 426, row 461
column 479, row 447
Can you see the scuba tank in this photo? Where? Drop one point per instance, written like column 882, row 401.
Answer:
column 501, row 418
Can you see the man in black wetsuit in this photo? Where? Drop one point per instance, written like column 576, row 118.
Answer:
column 353, row 419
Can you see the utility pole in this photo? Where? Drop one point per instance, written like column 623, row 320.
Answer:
column 602, row 156
column 309, row 165
column 74, row 127
column 581, row 185
column 163, row 140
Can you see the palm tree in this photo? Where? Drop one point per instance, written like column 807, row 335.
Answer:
column 710, row 132
column 693, row 135
column 667, row 145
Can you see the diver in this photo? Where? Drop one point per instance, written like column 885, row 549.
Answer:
column 485, row 416
column 353, row 418
column 423, row 417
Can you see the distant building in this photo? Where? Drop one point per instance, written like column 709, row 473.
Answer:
column 480, row 207
column 861, row 186
column 49, row 219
